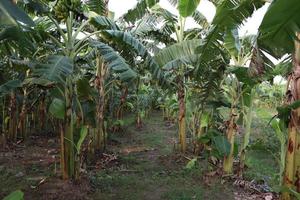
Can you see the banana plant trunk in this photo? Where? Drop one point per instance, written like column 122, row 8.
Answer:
column 138, row 120
column 12, row 127
column 67, row 148
column 197, row 131
column 231, row 131
column 291, row 177
column 22, row 125
column 181, row 115
column 42, row 112
column 139, row 123
column 100, row 133
column 3, row 116
column 3, row 125
column 248, row 123
column 122, row 102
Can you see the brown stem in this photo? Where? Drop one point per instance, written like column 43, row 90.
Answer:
column 12, row 130
column 231, row 130
column 292, row 164
column 100, row 137
column 22, row 116
column 42, row 112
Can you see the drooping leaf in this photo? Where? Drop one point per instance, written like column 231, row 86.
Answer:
column 168, row 17
column 229, row 15
column 34, row 6
column 89, row 112
column 191, row 164
column 16, row 195
column 257, row 65
column 279, row 131
column 284, row 112
column 187, row 7
column 114, row 61
column 204, row 120
column 177, row 51
column 243, row 75
column 175, row 64
column 232, row 42
column 145, row 25
column 173, row 2
column 139, row 10
column 222, row 145
column 120, row 37
column 97, row 6
column 55, row 68
column 102, row 22
column 38, row 81
column 11, row 14
column 235, row 149
column 57, row 108
column 283, row 68
column 84, row 89
column 9, row 86
column 16, row 36
column 232, row 13
column 247, row 95
column 200, row 19
column 277, row 31
column 83, row 134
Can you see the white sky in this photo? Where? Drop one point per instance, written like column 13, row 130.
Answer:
column 119, row 7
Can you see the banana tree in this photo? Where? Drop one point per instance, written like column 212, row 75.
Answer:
column 15, row 24
column 229, row 15
column 99, row 133
column 279, row 35
column 142, row 99
column 121, row 39
column 241, row 92
column 62, row 68
column 130, row 44
column 210, row 52
column 177, row 58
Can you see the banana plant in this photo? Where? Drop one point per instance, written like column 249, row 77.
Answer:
column 280, row 131
column 142, row 99
column 99, row 133
column 114, row 38
column 208, row 50
column 15, row 24
column 229, row 15
column 62, row 69
column 177, row 58
column 247, row 113
column 240, row 50
column 279, row 36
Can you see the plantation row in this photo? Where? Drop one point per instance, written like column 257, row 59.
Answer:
column 70, row 68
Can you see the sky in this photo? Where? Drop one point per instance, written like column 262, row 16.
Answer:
column 119, row 7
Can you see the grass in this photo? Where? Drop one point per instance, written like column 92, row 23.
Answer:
column 149, row 169
column 263, row 153
column 154, row 173
column 262, row 168
column 156, row 185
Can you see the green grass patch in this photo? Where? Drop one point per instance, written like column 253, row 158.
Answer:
column 262, row 167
